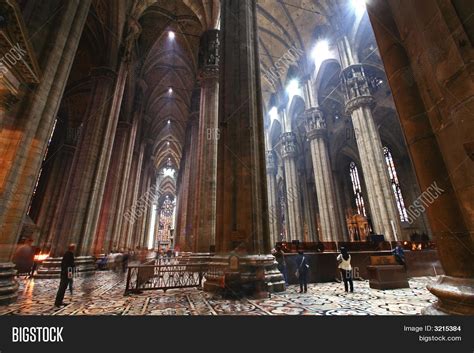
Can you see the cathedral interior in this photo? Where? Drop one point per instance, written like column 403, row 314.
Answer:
column 183, row 146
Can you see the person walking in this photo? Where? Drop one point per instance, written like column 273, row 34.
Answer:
column 67, row 271
column 344, row 260
column 302, row 267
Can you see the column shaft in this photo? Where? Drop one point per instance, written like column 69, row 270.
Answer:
column 293, row 194
column 208, row 138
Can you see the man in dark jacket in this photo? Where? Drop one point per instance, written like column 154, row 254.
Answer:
column 302, row 267
column 67, row 272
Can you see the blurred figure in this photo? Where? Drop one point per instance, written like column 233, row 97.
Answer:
column 67, row 273
column 302, row 267
column 125, row 257
column 280, row 258
column 24, row 258
column 344, row 260
column 399, row 255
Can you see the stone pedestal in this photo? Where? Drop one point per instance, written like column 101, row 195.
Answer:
column 8, row 283
column 237, row 276
column 455, row 296
column 51, row 267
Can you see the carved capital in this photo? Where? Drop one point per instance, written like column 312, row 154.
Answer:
column 315, row 123
column 358, row 102
column 209, row 55
column 271, row 165
column 134, row 30
column 289, row 145
column 354, row 82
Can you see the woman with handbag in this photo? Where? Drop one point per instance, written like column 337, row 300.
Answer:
column 344, row 260
column 302, row 267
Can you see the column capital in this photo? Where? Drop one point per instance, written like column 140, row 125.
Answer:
column 209, row 55
column 356, row 87
column 270, row 160
column 315, row 123
column 134, row 30
column 289, row 145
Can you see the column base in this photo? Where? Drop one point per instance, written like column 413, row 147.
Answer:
column 236, row 276
column 455, row 296
column 8, row 283
column 51, row 267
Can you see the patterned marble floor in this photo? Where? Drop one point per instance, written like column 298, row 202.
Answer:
column 102, row 294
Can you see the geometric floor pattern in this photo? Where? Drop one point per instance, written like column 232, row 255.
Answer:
column 102, row 294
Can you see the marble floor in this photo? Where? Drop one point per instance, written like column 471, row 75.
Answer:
column 102, row 294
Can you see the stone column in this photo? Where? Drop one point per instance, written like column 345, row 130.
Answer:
column 316, row 130
column 272, row 197
column 25, row 132
column 208, row 137
column 359, row 104
column 141, row 232
column 455, row 290
column 83, row 199
column 242, row 220
column 57, row 180
column 309, row 216
column 293, row 199
column 135, row 204
column 127, row 173
column 190, row 225
column 76, row 209
column 183, row 192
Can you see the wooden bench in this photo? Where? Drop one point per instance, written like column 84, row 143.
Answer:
column 385, row 273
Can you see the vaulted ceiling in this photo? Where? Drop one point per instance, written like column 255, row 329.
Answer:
column 169, row 69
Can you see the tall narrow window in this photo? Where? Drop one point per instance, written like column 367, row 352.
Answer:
column 166, row 220
column 395, row 185
column 359, row 200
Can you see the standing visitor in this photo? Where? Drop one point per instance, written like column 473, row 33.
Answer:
column 344, row 260
column 302, row 268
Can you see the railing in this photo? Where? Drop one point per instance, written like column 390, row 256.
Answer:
column 164, row 276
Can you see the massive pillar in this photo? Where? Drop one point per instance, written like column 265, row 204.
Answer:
column 26, row 127
column 82, row 201
column 359, row 103
column 242, row 218
column 55, row 184
column 272, row 197
column 289, row 154
column 316, row 131
column 190, row 225
column 208, row 137
column 111, row 194
column 412, row 83
column 136, row 206
column 120, row 189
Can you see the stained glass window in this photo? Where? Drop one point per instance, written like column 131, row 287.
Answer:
column 359, row 200
column 395, row 184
